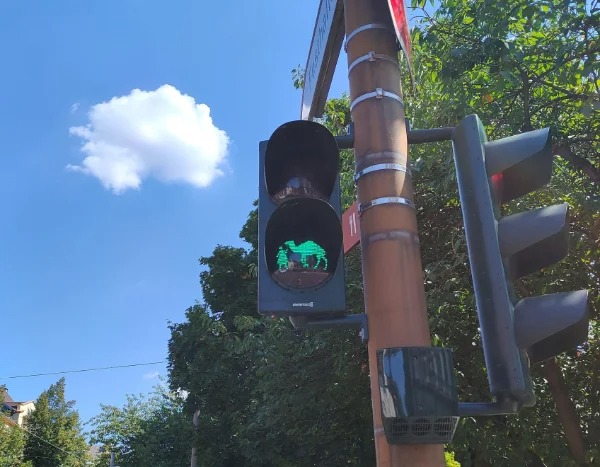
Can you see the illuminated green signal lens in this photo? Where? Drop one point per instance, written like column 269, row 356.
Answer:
column 306, row 250
column 303, row 243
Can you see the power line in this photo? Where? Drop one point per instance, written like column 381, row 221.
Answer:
column 82, row 371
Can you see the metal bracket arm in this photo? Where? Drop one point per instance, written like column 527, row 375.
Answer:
column 348, row 321
column 474, row 409
column 346, row 141
column 430, row 135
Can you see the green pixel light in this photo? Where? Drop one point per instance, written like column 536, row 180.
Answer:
column 306, row 249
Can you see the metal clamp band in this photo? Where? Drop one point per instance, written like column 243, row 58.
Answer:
column 362, row 28
column 377, row 167
column 371, row 57
column 377, row 94
column 386, row 200
column 391, row 235
column 385, row 157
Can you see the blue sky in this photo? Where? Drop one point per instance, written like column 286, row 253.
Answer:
column 107, row 208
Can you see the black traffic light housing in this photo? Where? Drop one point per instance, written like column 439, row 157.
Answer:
column 300, row 269
column 502, row 249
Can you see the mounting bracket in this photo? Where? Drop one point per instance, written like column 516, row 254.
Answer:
column 348, row 321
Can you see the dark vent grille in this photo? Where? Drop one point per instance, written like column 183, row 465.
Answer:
column 420, row 430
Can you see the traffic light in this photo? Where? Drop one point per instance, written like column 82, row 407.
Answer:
column 300, row 264
column 502, row 249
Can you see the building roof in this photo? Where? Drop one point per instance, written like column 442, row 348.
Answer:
column 8, row 400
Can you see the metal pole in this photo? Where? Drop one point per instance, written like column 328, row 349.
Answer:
column 391, row 261
column 196, row 421
column 112, row 459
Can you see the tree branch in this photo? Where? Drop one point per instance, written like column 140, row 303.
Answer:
column 566, row 410
column 527, row 126
column 564, row 150
column 569, row 94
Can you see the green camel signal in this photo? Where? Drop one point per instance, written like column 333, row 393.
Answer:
column 306, row 249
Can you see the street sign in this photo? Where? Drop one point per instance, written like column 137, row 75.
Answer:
column 322, row 57
column 398, row 11
column 351, row 227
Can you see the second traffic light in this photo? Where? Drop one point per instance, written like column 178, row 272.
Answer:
column 300, row 265
column 503, row 249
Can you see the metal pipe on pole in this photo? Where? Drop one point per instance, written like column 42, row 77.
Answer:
column 391, row 260
column 196, row 422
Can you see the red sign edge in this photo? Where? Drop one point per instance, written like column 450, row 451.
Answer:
column 351, row 227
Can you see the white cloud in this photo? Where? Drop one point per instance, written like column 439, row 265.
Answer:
column 162, row 134
column 74, row 107
column 151, row 375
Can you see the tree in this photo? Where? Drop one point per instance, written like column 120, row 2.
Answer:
column 148, row 430
column 12, row 442
column 519, row 65
column 54, row 431
column 269, row 395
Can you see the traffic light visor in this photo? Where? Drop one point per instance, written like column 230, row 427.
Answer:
column 301, row 160
column 525, row 161
column 549, row 325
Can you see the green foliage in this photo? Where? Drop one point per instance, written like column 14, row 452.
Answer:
column 148, row 430
column 54, row 431
column 230, row 269
column 217, row 381
column 450, row 461
column 298, row 77
column 519, row 65
column 336, row 118
column 269, row 395
column 12, row 442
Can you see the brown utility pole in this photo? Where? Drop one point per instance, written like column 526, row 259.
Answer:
column 391, row 260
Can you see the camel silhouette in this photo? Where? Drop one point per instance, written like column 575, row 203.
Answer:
column 308, row 248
